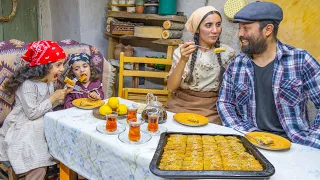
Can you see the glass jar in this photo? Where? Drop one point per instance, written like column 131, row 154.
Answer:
column 154, row 105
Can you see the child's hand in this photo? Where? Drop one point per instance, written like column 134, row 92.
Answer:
column 58, row 95
column 68, row 88
column 94, row 95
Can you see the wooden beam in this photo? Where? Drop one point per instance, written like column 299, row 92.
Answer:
column 145, row 91
column 145, row 74
column 122, row 5
column 147, row 60
column 155, row 17
column 170, row 42
column 112, row 42
column 158, row 41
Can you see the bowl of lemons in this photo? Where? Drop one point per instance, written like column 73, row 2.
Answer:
column 112, row 104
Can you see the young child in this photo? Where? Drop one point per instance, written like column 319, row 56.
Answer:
column 91, row 86
column 22, row 140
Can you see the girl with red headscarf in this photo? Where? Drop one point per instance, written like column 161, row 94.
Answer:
column 22, row 140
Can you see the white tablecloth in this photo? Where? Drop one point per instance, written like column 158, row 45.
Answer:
column 73, row 140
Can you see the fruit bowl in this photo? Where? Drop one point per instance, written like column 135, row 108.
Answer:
column 97, row 115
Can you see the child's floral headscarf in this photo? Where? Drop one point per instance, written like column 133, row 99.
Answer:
column 79, row 57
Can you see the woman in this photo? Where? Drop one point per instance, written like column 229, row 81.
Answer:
column 196, row 72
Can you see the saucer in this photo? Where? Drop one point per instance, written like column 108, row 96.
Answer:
column 123, row 137
column 161, row 129
column 102, row 129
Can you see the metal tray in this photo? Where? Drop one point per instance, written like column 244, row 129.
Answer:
column 268, row 168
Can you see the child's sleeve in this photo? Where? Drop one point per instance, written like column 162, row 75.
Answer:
column 28, row 95
column 100, row 91
column 68, row 101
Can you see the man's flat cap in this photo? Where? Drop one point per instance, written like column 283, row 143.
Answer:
column 259, row 11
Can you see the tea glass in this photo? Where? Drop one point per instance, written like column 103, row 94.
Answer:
column 153, row 121
column 111, row 124
column 134, row 130
column 132, row 113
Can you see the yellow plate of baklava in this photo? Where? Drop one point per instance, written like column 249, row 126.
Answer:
column 86, row 103
column 191, row 119
column 271, row 141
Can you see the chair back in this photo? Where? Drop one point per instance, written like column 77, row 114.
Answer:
column 139, row 94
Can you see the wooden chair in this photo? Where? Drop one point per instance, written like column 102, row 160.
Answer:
column 138, row 94
column 6, row 171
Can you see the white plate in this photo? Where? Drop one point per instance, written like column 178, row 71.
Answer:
column 123, row 137
column 102, row 129
column 161, row 129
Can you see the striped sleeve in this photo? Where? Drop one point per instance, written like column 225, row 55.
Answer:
column 28, row 96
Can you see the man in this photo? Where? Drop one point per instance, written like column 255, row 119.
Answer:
column 266, row 87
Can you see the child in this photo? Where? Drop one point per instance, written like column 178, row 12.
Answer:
column 91, row 86
column 22, row 140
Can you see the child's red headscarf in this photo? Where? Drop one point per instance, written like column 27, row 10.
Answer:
column 43, row 52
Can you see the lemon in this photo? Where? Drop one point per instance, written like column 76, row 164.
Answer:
column 104, row 110
column 122, row 109
column 113, row 102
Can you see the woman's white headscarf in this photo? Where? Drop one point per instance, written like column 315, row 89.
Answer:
column 196, row 17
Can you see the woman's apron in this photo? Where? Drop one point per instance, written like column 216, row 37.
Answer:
column 188, row 101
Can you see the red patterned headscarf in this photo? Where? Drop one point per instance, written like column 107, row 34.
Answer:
column 43, row 52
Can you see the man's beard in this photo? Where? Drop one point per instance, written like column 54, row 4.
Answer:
column 255, row 46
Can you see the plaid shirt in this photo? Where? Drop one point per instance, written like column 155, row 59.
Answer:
column 295, row 80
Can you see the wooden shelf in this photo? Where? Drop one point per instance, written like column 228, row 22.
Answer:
column 172, row 42
column 155, row 17
column 122, row 5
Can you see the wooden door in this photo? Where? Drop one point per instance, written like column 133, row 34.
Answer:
column 24, row 25
column 300, row 25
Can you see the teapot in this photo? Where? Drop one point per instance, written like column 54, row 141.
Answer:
column 154, row 105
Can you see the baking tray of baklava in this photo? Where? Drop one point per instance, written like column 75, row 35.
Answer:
column 221, row 156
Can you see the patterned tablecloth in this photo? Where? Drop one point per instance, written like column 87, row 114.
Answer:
column 73, row 140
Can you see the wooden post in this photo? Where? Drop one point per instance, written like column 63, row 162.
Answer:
column 66, row 173
column 121, row 69
column 135, row 80
column 12, row 175
column 167, row 69
column 112, row 42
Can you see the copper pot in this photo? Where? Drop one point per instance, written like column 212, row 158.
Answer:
column 139, row 9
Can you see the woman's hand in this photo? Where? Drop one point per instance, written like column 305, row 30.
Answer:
column 94, row 95
column 186, row 50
